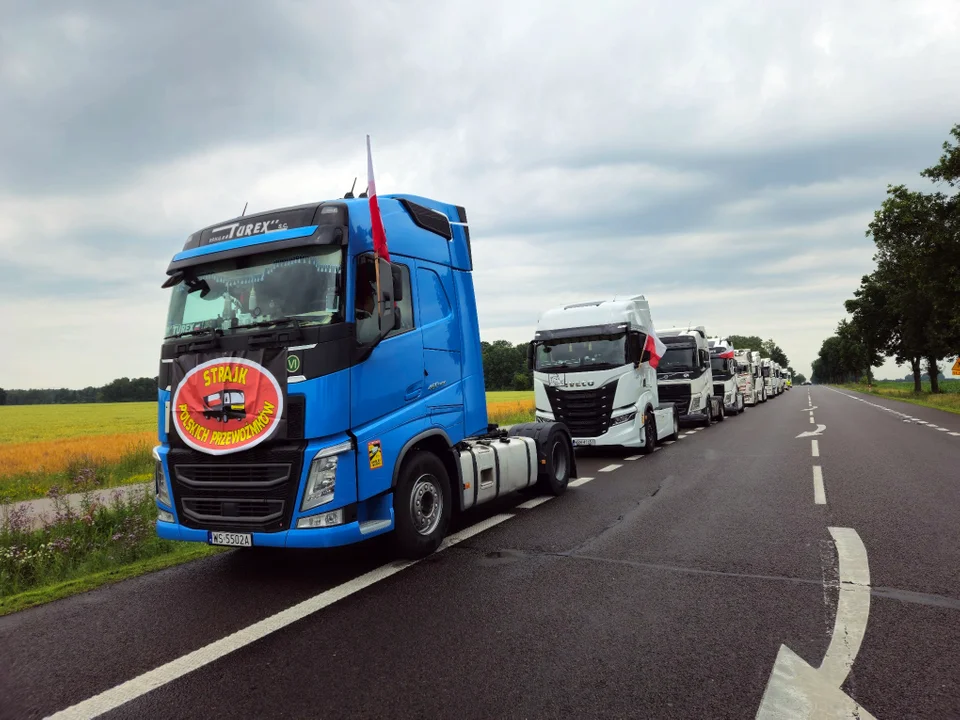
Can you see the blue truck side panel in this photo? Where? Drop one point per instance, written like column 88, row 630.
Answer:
column 321, row 394
column 474, row 392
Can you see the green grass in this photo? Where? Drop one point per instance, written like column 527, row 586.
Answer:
column 498, row 396
column 29, row 423
column 947, row 399
column 181, row 553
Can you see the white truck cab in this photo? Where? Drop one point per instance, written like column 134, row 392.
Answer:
column 592, row 367
column 769, row 381
column 758, row 380
column 723, row 365
column 685, row 378
column 746, row 377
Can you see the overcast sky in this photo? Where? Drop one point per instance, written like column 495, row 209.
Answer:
column 722, row 158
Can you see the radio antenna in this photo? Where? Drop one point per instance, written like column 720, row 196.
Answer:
column 350, row 194
column 244, row 208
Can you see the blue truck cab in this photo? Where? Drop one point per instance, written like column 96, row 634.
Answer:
column 299, row 408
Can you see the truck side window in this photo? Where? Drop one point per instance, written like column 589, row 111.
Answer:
column 366, row 306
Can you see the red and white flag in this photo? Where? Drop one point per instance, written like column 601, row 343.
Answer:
column 726, row 354
column 379, row 236
column 656, row 348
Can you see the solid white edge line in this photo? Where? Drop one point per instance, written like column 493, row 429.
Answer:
column 610, row 468
column 814, row 448
column 168, row 672
column 530, row 504
column 579, row 481
column 819, row 494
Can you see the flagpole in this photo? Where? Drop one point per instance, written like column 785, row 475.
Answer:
column 371, row 194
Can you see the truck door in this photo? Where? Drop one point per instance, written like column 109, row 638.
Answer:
column 391, row 378
column 436, row 300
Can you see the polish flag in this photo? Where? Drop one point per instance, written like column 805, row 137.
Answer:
column 379, row 236
column 728, row 355
column 656, row 348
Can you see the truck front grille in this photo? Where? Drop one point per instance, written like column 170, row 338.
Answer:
column 678, row 393
column 718, row 390
column 585, row 412
column 253, row 490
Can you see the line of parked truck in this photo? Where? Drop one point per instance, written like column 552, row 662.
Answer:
column 596, row 372
column 314, row 392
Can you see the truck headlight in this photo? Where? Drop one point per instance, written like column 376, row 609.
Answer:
column 695, row 404
column 322, row 480
column 623, row 418
column 160, row 480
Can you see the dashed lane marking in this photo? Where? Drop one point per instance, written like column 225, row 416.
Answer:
column 811, row 419
column 633, row 457
column 815, row 448
column 819, row 494
column 530, row 504
column 610, row 468
column 579, row 481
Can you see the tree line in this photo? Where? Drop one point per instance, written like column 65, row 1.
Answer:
column 908, row 308
column 119, row 390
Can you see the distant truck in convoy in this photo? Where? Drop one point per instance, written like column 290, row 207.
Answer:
column 760, row 382
column 787, row 379
column 746, row 378
column 684, row 376
column 768, row 370
column 723, row 365
column 592, row 371
column 363, row 401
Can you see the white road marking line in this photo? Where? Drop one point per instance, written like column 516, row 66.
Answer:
column 943, row 429
column 530, row 504
column 815, row 448
column 796, row 689
column 579, row 481
column 819, row 496
column 657, row 449
column 158, row 677
column 680, row 437
column 811, row 418
column 688, row 433
column 610, row 468
column 633, row 457
column 668, row 442
column 853, row 606
column 955, row 434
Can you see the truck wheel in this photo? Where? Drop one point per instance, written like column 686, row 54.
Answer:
column 556, row 473
column 649, row 434
column 421, row 505
column 742, row 403
column 706, row 422
column 721, row 411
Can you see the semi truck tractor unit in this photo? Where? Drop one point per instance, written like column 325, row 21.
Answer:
column 684, row 376
column 592, row 371
column 723, row 367
column 769, row 380
column 746, row 377
column 760, row 382
column 358, row 375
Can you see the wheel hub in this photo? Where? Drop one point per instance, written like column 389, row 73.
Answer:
column 426, row 504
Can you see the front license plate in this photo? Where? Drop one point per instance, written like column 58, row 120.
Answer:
column 584, row 441
column 229, row 538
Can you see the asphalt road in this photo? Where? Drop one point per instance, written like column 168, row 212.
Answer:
column 668, row 586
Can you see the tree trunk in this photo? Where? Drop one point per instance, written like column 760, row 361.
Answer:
column 934, row 371
column 915, row 364
column 869, row 376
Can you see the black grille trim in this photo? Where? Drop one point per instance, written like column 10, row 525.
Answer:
column 718, row 389
column 678, row 394
column 585, row 412
column 254, row 490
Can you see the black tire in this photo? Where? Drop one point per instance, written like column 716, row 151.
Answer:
column 649, row 434
column 421, row 524
column 708, row 420
column 722, row 411
column 741, row 403
column 555, row 475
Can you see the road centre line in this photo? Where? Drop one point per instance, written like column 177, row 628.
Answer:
column 167, row 673
column 610, row 468
column 819, row 495
column 579, row 481
column 811, row 418
column 815, row 448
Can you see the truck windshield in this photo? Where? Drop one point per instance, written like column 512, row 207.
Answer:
column 573, row 354
column 299, row 285
column 766, row 372
column 720, row 367
column 743, row 369
column 677, row 359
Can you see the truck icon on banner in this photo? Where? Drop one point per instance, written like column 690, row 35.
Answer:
column 224, row 406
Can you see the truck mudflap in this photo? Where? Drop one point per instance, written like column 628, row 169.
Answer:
column 668, row 421
column 550, row 457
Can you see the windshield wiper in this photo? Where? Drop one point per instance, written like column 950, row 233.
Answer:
column 295, row 321
column 201, row 331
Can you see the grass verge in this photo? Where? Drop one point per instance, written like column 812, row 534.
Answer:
column 99, row 543
column 948, row 399
column 56, row 591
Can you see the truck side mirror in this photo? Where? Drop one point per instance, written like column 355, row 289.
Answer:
column 388, row 317
column 530, row 349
